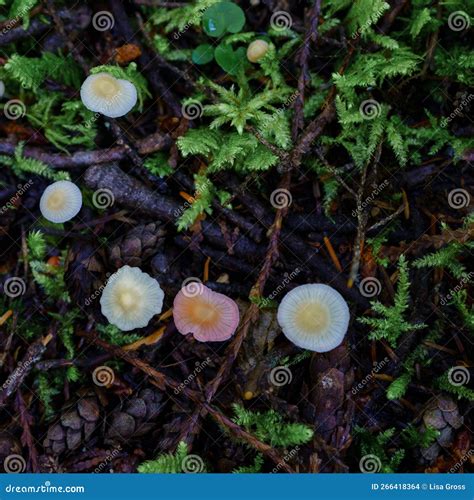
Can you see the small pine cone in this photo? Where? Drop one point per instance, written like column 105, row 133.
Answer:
column 443, row 415
column 138, row 245
column 75, row 427
column 136, row 418
column 9, row 445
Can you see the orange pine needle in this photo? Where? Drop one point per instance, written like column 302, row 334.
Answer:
column 187, row 197
column 149, row 340
column 166, row 315
column 406, row 205
column 332, row 254
column 206, row 270
column 5, row 316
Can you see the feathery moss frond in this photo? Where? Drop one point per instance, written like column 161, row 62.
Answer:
column 392, row 323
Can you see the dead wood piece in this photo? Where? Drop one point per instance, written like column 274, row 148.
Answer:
column 130, row 192
column 33, row 354
column 150, row 144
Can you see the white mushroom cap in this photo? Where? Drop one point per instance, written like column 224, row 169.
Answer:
column 110, row 96
column 314, row 317
column 131, row 298
column 61, row 201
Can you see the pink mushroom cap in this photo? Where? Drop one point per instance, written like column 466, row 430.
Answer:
column 208, row 315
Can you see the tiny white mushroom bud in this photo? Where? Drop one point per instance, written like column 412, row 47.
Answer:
column 256, row 50
column 61, row 201
column 314, row 317
column 110, row 96
column 131, row 298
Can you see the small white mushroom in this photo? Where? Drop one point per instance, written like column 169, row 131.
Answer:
column 110, row 96
column 61, row 201
column 314, row 317
column 2, row 89
column 131, row 298
column 256, row 50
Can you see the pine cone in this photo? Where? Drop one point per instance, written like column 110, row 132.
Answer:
column 9, row 445
column 138, row 245
column 76, row 425
column 136, row 419
column 442, row 414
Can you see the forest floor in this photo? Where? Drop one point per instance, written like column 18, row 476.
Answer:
column 343, row 156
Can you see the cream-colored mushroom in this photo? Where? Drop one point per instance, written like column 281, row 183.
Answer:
column 256, row 50
column 314, row 317
column 61, row 201
column 110, row 96
column 131, row 298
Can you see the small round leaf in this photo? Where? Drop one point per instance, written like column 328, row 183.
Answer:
column 203, row 53
column 234, row 16
column 213, row 22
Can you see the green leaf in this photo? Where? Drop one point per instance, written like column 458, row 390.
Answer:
column 223, row 17
column 203, row 53
column 234, row 16
column 213, row 23
column 229, row 60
